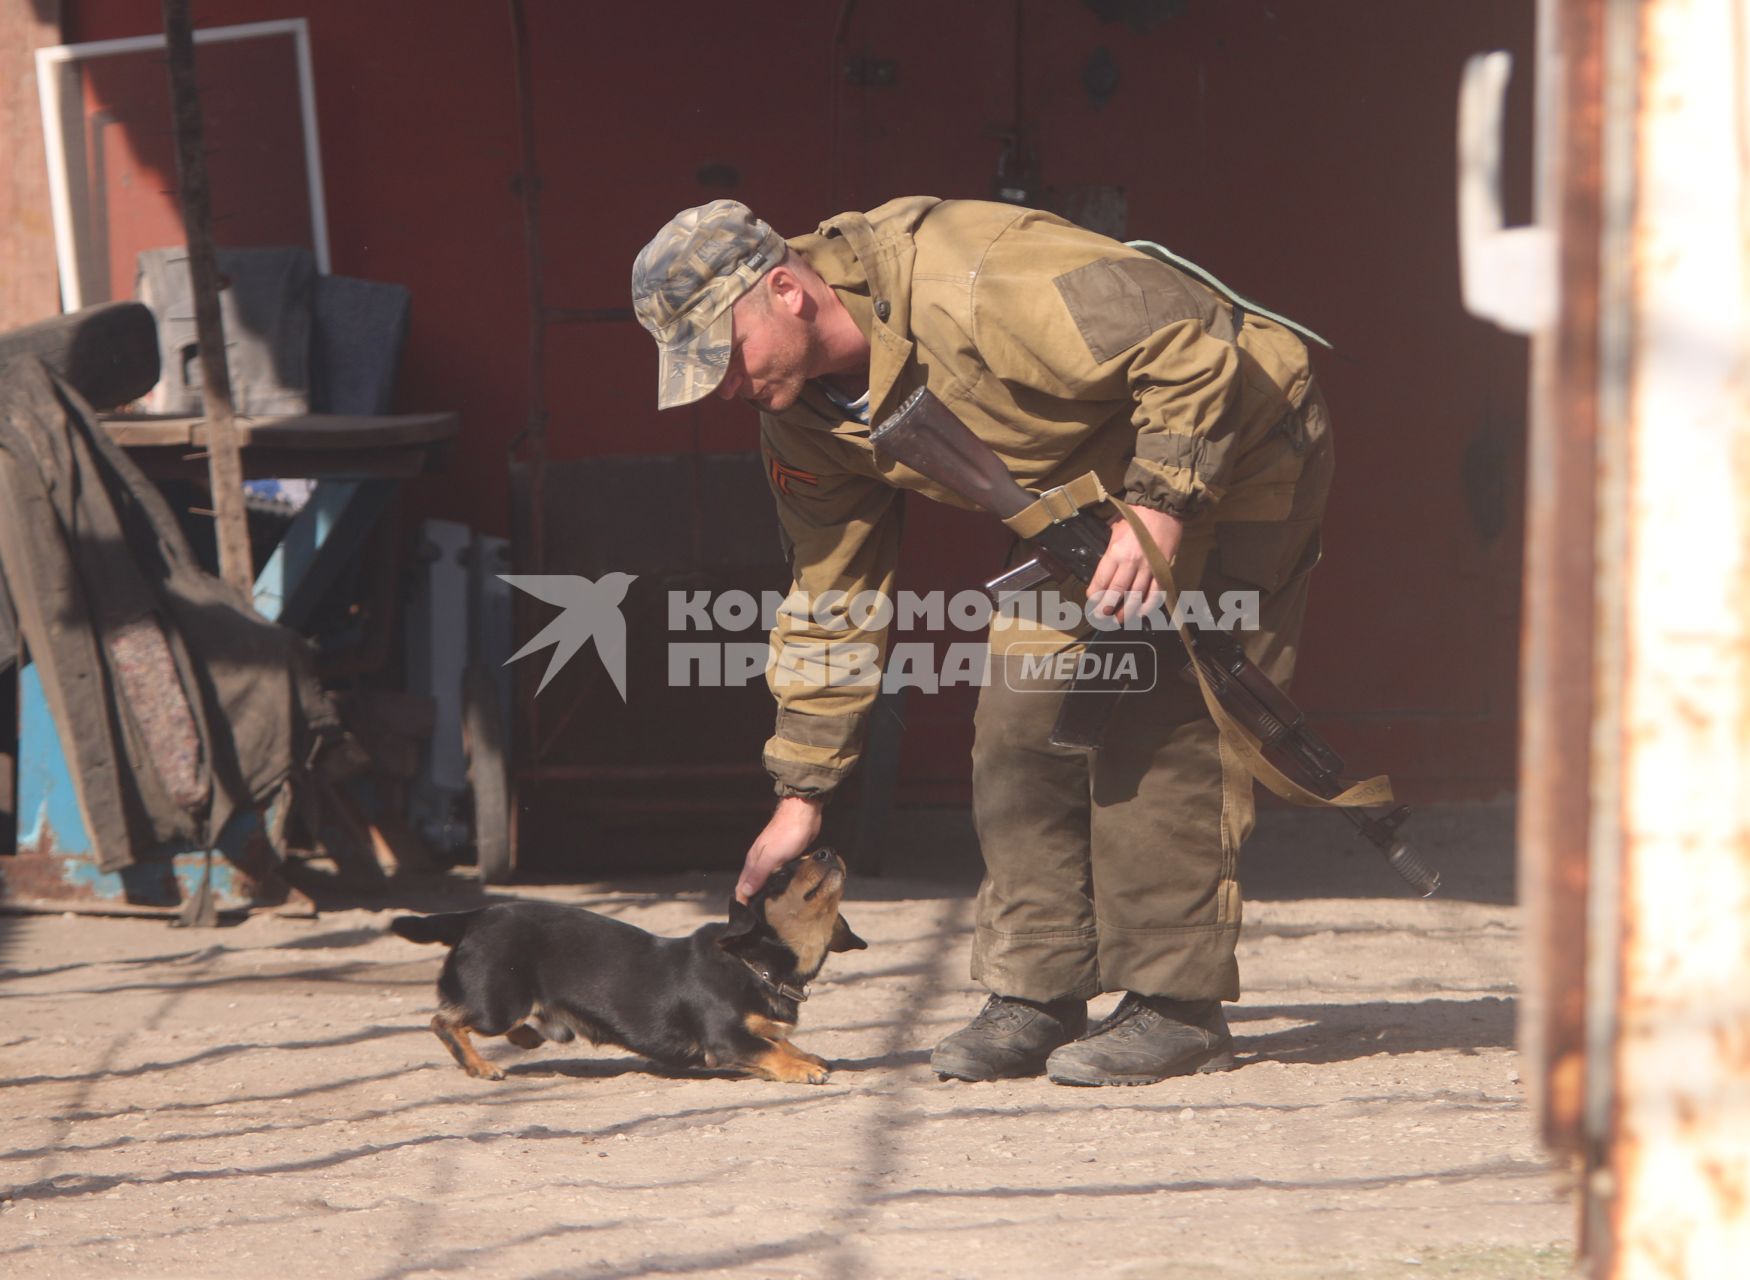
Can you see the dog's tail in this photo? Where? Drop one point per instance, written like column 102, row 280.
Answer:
column 447, row 928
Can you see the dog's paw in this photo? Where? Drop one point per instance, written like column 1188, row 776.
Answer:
column 790, row 1068
column 485, row 1071
column 807, row 1069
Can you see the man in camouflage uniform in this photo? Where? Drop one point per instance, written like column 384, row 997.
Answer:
column 1065, row 352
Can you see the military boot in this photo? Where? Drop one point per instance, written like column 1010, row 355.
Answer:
column 1145, row 1039
column 1009, row 1037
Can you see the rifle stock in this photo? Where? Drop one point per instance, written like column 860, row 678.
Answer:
column 926, row 435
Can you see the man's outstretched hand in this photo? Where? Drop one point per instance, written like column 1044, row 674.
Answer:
column 791, row 832
column 1123, row 586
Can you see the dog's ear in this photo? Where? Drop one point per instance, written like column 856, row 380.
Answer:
column 745, row 927
column 843, row 939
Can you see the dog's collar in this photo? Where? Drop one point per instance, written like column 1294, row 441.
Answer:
column 785, row 989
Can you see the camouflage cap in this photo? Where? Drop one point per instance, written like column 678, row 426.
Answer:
column 684, row 283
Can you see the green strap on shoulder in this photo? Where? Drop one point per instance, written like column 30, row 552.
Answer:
column 1167, row 256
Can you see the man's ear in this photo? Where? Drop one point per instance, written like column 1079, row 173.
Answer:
column 843, row 939
column 784, row 289
column 745, row 925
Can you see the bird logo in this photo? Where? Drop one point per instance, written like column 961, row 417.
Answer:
column 590, row 611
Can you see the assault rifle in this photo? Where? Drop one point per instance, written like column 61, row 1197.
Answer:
column 925, row 435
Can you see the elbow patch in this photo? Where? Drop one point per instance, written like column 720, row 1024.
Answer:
column 837, row 733
column 1118, row 302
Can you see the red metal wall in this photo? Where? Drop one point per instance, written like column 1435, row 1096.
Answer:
column 1302, row 151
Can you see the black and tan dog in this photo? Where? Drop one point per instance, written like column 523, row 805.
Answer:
column 726, row 996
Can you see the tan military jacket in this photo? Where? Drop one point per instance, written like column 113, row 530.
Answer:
column 1061, row 349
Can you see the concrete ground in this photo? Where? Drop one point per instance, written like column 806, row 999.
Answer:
column 265, row 1099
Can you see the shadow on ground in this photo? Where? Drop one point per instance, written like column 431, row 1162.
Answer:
column 1345, row 1032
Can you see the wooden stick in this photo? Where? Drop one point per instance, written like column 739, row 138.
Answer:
column 224, row 466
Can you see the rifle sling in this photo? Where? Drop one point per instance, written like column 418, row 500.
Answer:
column 1374, row 791
column 1064, row 501
column 1055, row 505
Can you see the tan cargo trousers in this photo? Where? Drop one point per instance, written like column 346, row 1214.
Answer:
column 1117, row 869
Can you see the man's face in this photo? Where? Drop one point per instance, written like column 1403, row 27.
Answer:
column 774, row 353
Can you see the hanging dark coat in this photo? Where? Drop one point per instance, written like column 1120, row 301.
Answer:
column 175, row 703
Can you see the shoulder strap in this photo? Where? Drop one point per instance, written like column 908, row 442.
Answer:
column 1166, row 255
